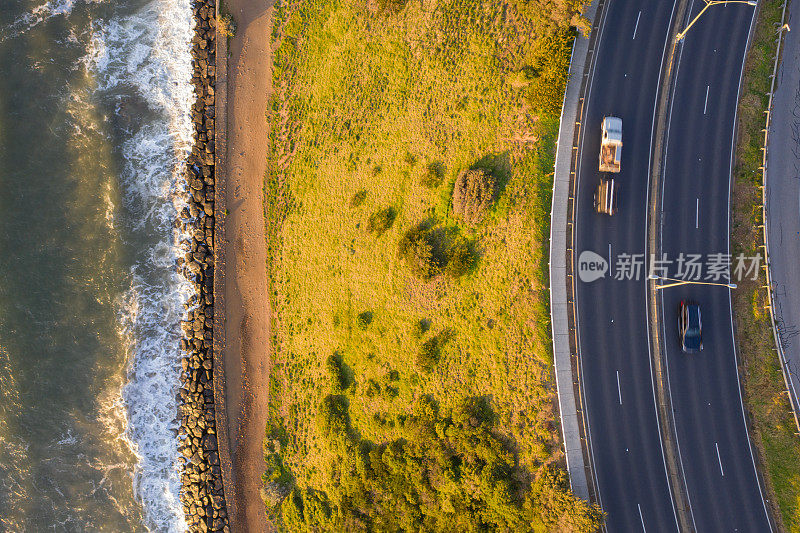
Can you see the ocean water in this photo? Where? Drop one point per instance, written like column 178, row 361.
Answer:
column 94, row 128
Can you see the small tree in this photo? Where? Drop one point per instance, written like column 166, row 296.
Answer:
column 473, row 194
column 416, row 249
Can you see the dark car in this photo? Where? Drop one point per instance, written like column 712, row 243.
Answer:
column 690, row 327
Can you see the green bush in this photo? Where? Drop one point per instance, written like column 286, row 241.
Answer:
column 380, row 221
column 364, row 320
column 307, row 510
column 460, row 257
column 443, row 473
column 335, row 368
column 428, row 354
column 333, row 420
column 416, row 248
column 433, row 175
column 420, row 327
column 549, row 71
column 358, row 198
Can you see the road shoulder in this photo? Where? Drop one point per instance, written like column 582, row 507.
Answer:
column 560, row 233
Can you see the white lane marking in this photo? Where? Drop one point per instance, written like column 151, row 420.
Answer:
column 609, row 256
column 705, row 106
column 697, row 215
column 619, row 389
column 641, row 517
column 716, row 445
column 637, row 25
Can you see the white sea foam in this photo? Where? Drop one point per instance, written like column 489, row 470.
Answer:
column 39, row 14
column 149, row 53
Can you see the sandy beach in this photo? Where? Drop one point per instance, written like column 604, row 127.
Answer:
column 247, row 327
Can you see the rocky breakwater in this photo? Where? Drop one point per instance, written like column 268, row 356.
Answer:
column 202, row 493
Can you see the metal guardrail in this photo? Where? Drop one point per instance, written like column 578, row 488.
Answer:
column 793, row 399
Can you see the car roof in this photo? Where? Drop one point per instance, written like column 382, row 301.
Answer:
column 693, row 311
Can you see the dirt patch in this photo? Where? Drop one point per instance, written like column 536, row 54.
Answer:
column 247, row 356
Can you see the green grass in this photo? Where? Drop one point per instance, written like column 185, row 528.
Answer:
column 773, row 425
column 366, row 104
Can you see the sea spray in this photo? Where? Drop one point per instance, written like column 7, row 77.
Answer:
column 149, row 52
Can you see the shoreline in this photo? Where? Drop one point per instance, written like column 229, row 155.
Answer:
column 202, row 494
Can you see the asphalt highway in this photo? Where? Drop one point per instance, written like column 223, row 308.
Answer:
column 630, row 473
column 718, row 464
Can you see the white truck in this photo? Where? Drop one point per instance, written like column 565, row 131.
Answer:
column 605, row 199
column 611, row 145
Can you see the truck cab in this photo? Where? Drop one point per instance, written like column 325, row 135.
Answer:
column 611, row 145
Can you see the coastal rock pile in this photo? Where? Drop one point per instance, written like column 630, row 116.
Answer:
column 201, row 493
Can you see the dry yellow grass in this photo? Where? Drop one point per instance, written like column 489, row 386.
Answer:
column 773, row 431
column 367, row 103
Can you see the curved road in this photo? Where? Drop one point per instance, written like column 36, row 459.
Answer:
column 630, row 475
column 718, row 463
column 617, row 378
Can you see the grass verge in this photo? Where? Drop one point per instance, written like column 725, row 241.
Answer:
column 773, row 428
column 413, row 382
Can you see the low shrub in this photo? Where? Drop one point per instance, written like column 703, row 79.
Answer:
column 226, row 26
column 420, row 328
column 461, row 257
column 358, row 198
column 373, row 388
column 380, row 221
column 473, row 195
column 335, row 368
column 444, row 472
column 428, row 354
column 549, row 71
column 364, row 320
column 390, row 392
column 389, row 7
column 432, row 176
column 333, row 420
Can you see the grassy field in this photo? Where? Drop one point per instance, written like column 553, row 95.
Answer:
column 416, row 375
column 773, row 424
